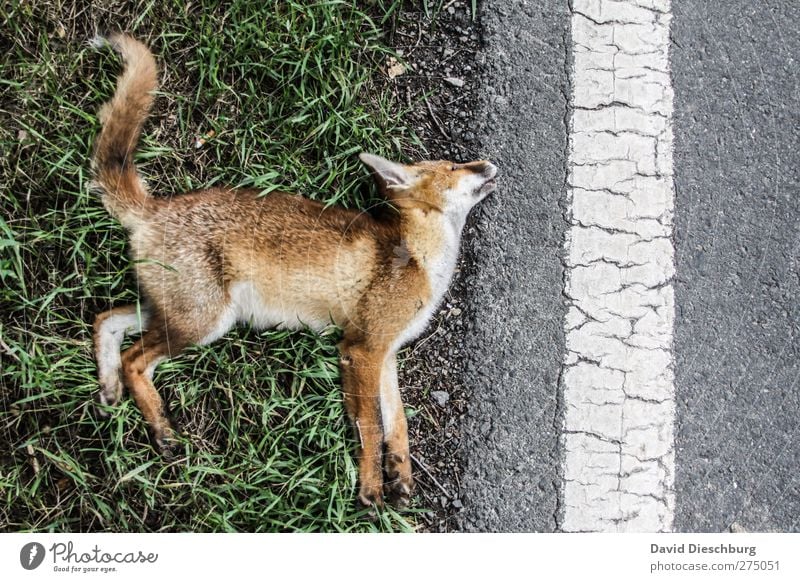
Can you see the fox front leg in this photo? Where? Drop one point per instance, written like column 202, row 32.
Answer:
column 361, row 377
column 397, row 462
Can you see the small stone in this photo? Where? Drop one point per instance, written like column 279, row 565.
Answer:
column 441, row 397
column 457, row 503
column 394, row 68
column 454, row 81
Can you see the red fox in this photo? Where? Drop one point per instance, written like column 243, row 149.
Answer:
column 209, row 259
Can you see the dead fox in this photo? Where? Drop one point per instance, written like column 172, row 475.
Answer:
column 209, row 259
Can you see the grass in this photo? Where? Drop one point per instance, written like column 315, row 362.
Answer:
column 288, row 89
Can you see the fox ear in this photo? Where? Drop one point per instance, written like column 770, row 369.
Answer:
column 389, row 175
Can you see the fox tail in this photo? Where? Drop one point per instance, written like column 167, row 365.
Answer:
column 123, row 191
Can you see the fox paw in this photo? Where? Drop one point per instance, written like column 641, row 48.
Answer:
column 398, row 492
column 110, row 392
column 371, row 495
column 167, row 444
column 400, row 483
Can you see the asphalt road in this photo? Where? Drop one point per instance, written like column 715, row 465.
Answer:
column 737, row 281
column 737, row 241
column 511, row 480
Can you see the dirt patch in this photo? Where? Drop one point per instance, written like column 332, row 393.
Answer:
column 438, row 87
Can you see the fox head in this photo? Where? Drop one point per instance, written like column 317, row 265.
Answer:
column 447, row 187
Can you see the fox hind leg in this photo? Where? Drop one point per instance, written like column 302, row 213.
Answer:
column 138, row 364
column 110, row 329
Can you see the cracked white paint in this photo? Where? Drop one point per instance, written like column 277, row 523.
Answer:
column 618, row 382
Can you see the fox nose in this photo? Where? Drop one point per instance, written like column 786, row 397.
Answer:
column 483, row 167
column 489, row 170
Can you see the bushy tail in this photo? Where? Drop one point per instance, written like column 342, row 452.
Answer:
column 124, row 193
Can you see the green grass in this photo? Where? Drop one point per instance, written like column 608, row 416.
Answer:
column 288, row 88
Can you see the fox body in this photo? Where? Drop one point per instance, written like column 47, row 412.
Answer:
column 208, row 260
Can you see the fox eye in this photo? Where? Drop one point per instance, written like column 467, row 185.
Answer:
column 453, row 168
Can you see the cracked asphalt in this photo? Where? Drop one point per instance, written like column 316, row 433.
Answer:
column 512, row 464
column 736, row 237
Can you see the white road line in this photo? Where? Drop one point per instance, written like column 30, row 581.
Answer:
column 618, row 379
